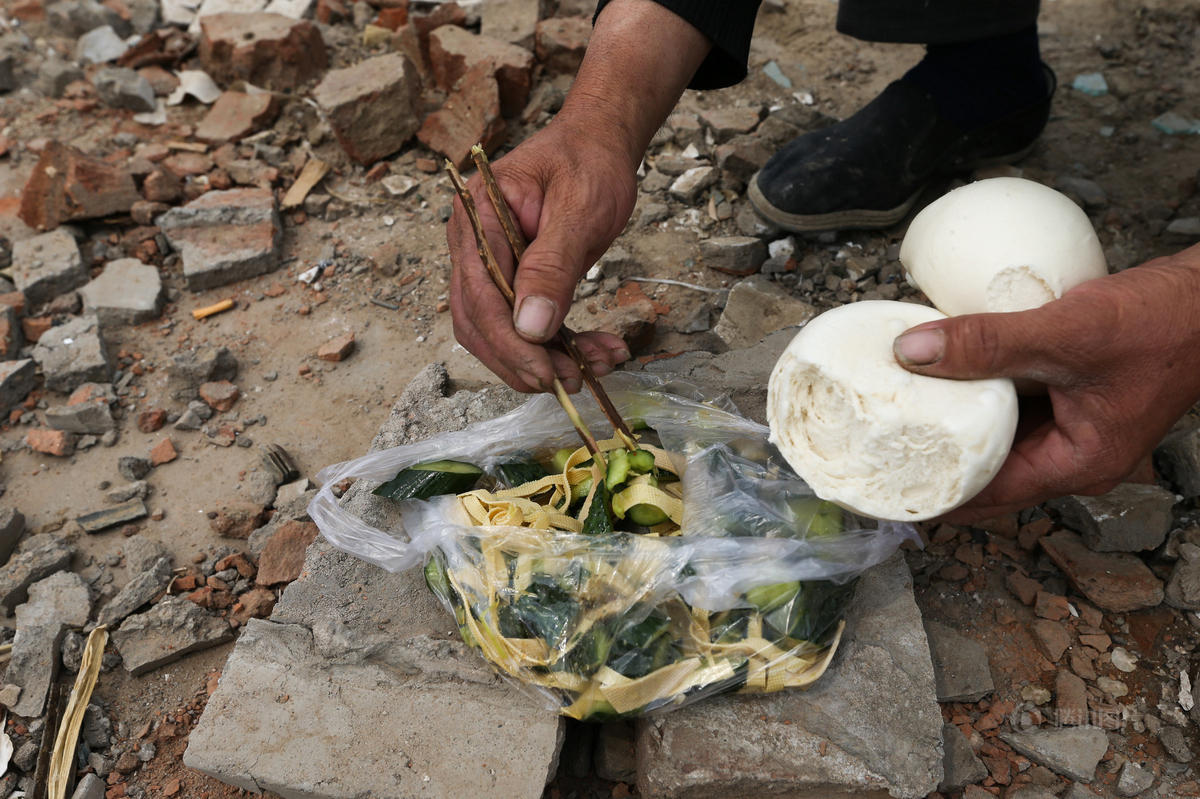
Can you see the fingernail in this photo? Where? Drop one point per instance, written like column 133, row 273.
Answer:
column 600, row 368
column 534, row 317
column 920, row 347
column 622, row 354
column 572, row 385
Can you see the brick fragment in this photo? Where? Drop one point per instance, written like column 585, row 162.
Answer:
column 372, row 106
column 236, row 115
column 337, row 348
column 454, row 51
column 68, row 185
column 561, row 41
column 268, row 50
column 220, row 395
column 471, row 115
column 59, row 443
column 163, row 452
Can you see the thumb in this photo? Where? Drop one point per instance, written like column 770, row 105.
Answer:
column 545, row 285
column 1026, row 344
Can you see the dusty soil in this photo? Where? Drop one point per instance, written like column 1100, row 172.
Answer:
column 393, row 250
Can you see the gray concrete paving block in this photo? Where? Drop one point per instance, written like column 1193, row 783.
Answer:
column 40, row 556
column 47, row 265
column 127, row 292
column 756, row 308
column 374, row 671
column 960, row 665
column 1130, row 518
column 870, row 726
column 55, row 602
column 73, row 354
column 171, row 629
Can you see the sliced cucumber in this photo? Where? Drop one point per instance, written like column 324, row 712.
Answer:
column 580, row 490
column 425, row 480
column 768, row 597
column 559, row 461
column 646, row 515
column 599, row 519
column 618, row 469
column 515, row 473
column 641, row 461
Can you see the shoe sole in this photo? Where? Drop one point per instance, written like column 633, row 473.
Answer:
column 861, row 218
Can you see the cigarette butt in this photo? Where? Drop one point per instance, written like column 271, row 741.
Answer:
column 209, row 310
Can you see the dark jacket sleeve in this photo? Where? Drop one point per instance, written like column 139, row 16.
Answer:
column 729, row 24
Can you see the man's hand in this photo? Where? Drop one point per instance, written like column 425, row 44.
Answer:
column 1120, row 361
column 571, row 188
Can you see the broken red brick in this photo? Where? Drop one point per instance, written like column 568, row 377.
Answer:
column 187, row 164
column 268, row 50
column 161, row 186
column 471, row 115
column 209, row 597
column 32, row 327
column 236, row 115
column 220, row 394
column 560, row 42
column 454, row 51
column 68, row 185
column 337, row 348
column 238, row 520
column 257, row 603
column 1023, row 588
column 14, row 300
column 331, row 12
column 282, row 558
column 238, row 560
column 392, row 18
column 371, row 106
column 185, row 583
column 51, row 442
column 163, row 452
column 1051, row 606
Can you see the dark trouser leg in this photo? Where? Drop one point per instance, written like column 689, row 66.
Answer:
column 933, row 21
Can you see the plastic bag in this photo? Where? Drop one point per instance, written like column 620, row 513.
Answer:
column 748, row 596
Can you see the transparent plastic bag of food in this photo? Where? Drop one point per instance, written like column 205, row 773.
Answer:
column 748, row 594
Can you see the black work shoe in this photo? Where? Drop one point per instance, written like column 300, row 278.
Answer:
column 867, row 171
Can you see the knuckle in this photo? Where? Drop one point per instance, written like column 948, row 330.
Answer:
column 982, row 340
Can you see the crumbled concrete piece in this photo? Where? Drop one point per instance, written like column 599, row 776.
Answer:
column 373, row 106
column 282, row 558
column 560, row 43
column 236, row 115
column 735, row 255
column 1174, row 741
column 141, row 553
column 271, row 51
column 47, row 265
column 171, row 629
column 225, row 236
column 688, row 187
column 100, row 520
column 1130, row 518
column 139, row 591
column 94, row 417
column 127, row 292
column 12, row 527
column 741, row 157
column 1117, row 582
column 77, row 17
column 238, row 520
column 99, row 46
column 1070, row 751
column 1183, row 588
column 875, row 711
column 55, row 75
column 960, row 665
column 960, row 766
column 67, row 185
column 731, row 121
column 89, row 787
column 55, row 602
column 471, row 115
column 337, row 348
column 455, row 51
column 119, row 87
column 17, row 379
column 190, row 369
column 756, row 308
column 1178, row 459
column 220, row 395
column 9, row 694
column 41, row 556
column 133, row 468
column 58, row 443
column 396, row 672
column 512, row 21
column 25, row 758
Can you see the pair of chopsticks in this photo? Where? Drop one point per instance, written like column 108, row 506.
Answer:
column 565, row 338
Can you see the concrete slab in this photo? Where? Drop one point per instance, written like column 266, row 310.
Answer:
column 870, row 727
column 127, row 292
column 382, row 698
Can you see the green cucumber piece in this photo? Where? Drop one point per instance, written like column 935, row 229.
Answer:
column 618, row 469
column 436, row 579
column 768, row 597
column 559, row 461
column 516, row 473
column 580, row 490
column 425, row 480
column 646, row 515
column 817, row 517
column 599, row 519
column 641, row 461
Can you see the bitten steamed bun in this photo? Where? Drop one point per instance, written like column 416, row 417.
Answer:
column 873, row 437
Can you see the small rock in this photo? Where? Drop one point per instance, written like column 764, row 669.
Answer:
column 1123, row 660
column 12, row 527
column 1177, row 458
column 236, row 115
column 141, row 553
column 17, row 379
column 337, row 348
column 1091, row 83
column 1175, row 743
column 119, row 87
column 238, row 520
column 100, row 520
column 560, row 43
column 1051, row 606
column 219, row 395
column 99, row 46
column 1114, row 688
column 127, row 292
column 688, row 187
column 1073, row 752
column 1130, row 518
column 757, row 307
column 1052, row 637
column 133, row 468
column 72, row 354
column 960, row 765
column 151, row 421
column 1183, row 588
column 734, row 255
column 163, row 452
column 92, row 417
column 256, row 603
column 171, row 629
column 1134, row 779
column 1023, row 588
column 188, row 370
column 282, row 558
column 139, row 591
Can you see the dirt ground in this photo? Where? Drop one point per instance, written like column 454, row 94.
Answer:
column 393, row 250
